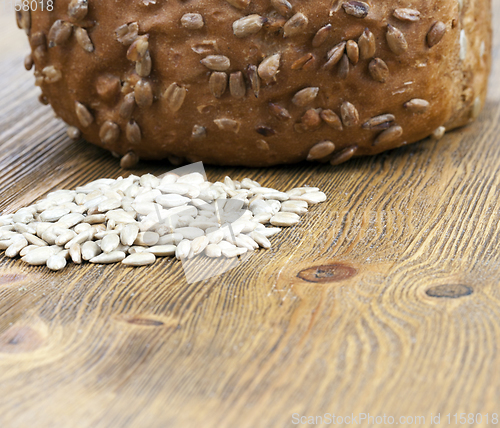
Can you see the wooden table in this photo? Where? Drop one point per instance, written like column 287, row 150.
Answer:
column 405, row 321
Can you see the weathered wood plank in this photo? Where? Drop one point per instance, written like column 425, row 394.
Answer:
column 410, row 327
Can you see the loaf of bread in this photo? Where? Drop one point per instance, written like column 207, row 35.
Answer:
column 260, row 82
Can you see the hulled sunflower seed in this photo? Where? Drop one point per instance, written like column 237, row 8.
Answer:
column 127, row 106
column 143, row 93
column 233, row 252
column 198, row 245
column 6, row 243
column 396, row 40
column 144, row 65
column 379, row 122
column 349, row 114
column 331, row 119
column 297, row 24
column 367, row 45
column 139, row 259
column 216, row 62
column 463, row 45
column 352, row 50
column 56, row 262
column 438, row 133
column 75, row 252
column 106, row 258
column 38, row 39
column 128, row 234
column 253, row 77
column 170, row 239
column 305, row 96
column 284, row 219
column 23, row 19
column 73, row 133
column 279, row 112
column 65, row 237
column 436, row 33
column 83, row 115
column 108, row 86
column 147, row 239
column 213, row 251
column 269, row 67
column 28, row 62
column 162, row 250
column 95, row 219
column 199, row 132
column 22, row 216
column 417, row 105
column 127, row 33
column 27, row 249
column 321, row 35
column 344, row 67
column 378, row 70
column 129, row 161
column 183, row 249
column 239, row 4
column 311, row 119
column 109, row 204
column 274, row 22
column 59, row 33
column 389, row 135
column 192, row 21
column 83, row 39
column 228, row 125
column 89, row 250
column 321, row 150
column 172, row 200
column 334, row 55
column 260, row 239
column 296, row 206
column 237, row 86
column 302, row 61
column 139, row 48
column 476, row 108
column 344, row 155
column 34, row 240
column 80, row 238
column 407, row 14
column 39, row 256
column 358, row 9
column 244, row 241
column 17, row 245
column 82, row 227
column 77, row 9
column 109, row 132
column 133, row 132
column 218, row 83
column 175, row 96
column 53, row 215
column 283, row 7
column 311, row 197
column 247, row 25
column 110, row 243
column 51, row 74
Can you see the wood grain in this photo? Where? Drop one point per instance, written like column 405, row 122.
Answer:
column 383, row 300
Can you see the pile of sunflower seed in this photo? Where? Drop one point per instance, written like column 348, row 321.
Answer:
column 134, row 220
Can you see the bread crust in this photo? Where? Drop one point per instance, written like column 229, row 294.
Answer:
column 254, row 111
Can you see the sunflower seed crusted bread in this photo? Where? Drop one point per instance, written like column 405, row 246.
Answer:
column 260, row 82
